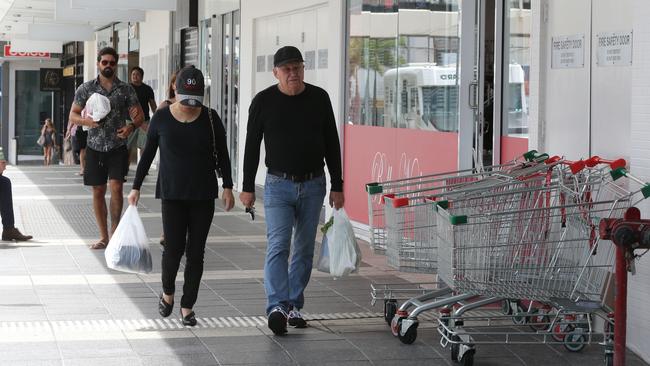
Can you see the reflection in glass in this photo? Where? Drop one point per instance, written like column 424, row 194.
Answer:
column 517, row 55
column 402, row 69
column 205, row 58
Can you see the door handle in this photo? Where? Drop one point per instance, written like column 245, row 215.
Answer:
column 473, row 94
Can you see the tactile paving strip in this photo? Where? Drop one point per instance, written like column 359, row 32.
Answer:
column 163, row 324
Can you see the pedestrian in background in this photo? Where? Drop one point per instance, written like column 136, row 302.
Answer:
column 107, row 158
column 297, row 123
column 171, row 92
column 48, row 133
column 147, row 100
column 192, row 142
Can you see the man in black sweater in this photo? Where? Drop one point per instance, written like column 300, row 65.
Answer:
column 297, row 123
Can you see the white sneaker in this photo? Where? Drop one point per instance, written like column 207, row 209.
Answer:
column 296, row 320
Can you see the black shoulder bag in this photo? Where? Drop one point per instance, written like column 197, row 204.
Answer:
column 217, row 168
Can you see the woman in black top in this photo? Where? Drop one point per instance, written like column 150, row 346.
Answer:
column 187, row 184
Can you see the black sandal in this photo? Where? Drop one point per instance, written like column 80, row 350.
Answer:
column 164, row 309
column 189, row 319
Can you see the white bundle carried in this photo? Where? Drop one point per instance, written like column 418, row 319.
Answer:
column 97, row 107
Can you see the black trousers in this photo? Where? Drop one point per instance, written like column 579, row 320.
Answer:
column 6, row 203
column 186, row 225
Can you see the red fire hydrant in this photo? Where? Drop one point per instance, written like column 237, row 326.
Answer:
column 628, row 234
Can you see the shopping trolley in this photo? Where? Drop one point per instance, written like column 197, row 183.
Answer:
column 549, row 253
column 410, row 223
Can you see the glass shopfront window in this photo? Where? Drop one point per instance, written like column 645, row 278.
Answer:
column 517, row 56
column 402, row 69
column 122, row 33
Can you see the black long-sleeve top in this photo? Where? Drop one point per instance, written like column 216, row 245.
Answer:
column 298, row 131
column 187, row 165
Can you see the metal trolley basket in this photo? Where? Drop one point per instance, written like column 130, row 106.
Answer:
column 548, row 252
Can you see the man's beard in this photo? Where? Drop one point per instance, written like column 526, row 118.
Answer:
column 108, row 72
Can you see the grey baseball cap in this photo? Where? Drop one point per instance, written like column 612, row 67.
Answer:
column 190, row 86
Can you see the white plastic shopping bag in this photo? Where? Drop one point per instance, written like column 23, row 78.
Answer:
column 97, row 107
column 323, row 263
column 344, row 253
column 128, row 250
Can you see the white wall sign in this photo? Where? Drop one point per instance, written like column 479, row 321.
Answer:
column 614, row 49
column 568, row 51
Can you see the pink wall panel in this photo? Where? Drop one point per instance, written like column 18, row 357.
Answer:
column 377, row 154
column 512, row 148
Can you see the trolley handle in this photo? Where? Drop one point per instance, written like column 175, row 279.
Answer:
column 614, row 164
column 622, row 172
column 575, row 166
column 534, row 156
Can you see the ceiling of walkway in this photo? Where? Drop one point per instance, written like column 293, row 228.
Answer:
column 30, row 23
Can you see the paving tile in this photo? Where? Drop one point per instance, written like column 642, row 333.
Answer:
column 253, row 356
column 171, row 346
column 52, row 362
column 103, row 361
column 100, row 348
column 179, row 360
column 31, row 351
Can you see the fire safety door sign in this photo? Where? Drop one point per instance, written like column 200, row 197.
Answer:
column 614, row 49
column 568, row 51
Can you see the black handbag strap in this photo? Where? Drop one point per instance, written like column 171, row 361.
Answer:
column 214, row 145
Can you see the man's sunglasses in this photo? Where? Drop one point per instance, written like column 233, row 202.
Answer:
column 106, row 62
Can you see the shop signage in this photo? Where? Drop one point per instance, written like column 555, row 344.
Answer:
column 614, row 49
column 568, row 51
column 51, row 79
column 68, row 71
column 10, row 53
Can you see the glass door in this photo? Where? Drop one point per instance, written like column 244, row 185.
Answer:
column 480, row 121
column 470, row 132
column 32, row 108
column 205, row 59
column 225, row 42
column 513, row 61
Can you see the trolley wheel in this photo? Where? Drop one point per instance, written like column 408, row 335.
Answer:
column 390, row 308
column 455, row 348
column 609, row 359
column 575, row 341
column 560, row 331
column 505, row 307
column 539, row 321
column 520, row 316
column 468, row 358
column 410, row 335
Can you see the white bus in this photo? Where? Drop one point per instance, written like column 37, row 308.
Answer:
column 425, row 96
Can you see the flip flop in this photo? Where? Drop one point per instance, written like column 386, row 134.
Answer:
column 99, row 245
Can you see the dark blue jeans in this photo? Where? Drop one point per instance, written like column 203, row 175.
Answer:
column 6, row 202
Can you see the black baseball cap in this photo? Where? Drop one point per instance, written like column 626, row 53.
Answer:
column 190, row 86
column 287, row 54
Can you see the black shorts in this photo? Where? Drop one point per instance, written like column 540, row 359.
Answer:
column 79, row 139
column 101, row 166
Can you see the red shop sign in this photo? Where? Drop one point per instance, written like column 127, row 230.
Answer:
column 10, row 53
